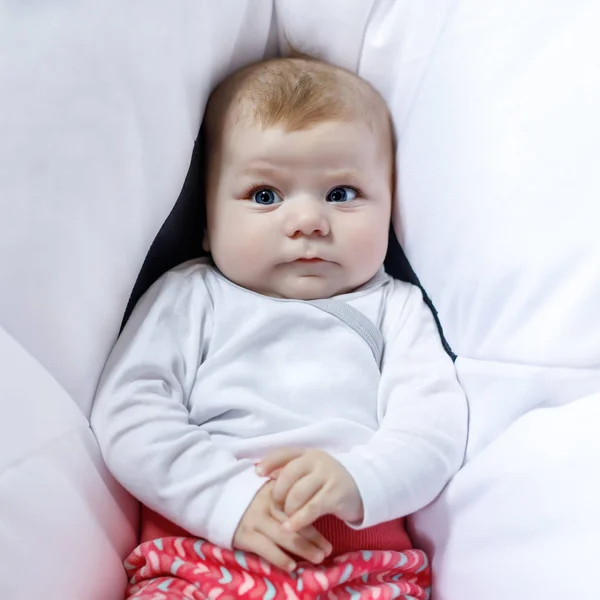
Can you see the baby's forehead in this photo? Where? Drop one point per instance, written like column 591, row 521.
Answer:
column 325, row 154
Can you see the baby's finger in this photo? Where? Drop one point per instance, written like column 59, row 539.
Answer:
column 274, row 474
column 316, row 507
column 310, row 533
column 317, row 538
column 293, row 542
column 277, row 459
column 301, row 492
column 266, row 548
column 290, row 474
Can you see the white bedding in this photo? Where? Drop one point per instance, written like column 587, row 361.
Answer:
column 100, row 105
column 64, row 523
column 499, row 139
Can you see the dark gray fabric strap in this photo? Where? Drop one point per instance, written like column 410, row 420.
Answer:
column 356, row 320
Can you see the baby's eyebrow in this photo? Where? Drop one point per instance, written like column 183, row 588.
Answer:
column 327, row 176
column 261, row 171
column 343, row 176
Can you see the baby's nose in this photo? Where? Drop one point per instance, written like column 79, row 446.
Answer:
column 307, row 218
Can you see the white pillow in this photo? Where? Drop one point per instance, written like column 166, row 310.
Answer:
column 496, row 106
column 64, row 523
column 101, row 104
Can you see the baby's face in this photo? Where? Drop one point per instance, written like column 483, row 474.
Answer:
column 301, row 214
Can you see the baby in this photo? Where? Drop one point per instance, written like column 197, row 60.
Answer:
column 282, row 406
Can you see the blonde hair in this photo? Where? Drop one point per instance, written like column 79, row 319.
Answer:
column 295, row 92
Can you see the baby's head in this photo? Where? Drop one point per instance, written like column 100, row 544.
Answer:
column 299, row 179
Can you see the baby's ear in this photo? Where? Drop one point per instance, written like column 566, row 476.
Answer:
column 206, row 242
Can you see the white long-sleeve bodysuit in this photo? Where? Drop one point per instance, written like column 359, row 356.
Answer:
column 207, row 377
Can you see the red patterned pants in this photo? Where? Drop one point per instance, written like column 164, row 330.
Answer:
column 185, row 568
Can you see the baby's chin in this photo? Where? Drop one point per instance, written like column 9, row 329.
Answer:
column 307, row 287
column 290, row 284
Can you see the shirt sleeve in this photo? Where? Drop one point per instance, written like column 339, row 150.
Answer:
column 421, row 440
column 141, row 420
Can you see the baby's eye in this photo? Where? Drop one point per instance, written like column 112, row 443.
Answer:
column 341, row 194
column 265, row 196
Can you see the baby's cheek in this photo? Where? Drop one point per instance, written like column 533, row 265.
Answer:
column 246, row 251
column 369, row 240
column 253, row 245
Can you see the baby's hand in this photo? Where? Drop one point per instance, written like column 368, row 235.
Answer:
column 260, row 531
column 310, row 484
